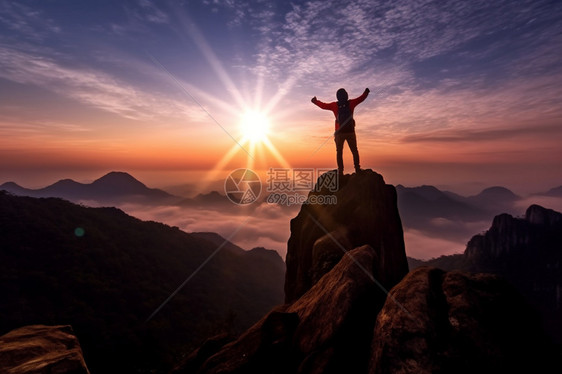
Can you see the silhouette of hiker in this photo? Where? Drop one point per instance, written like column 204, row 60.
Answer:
column 345, row 124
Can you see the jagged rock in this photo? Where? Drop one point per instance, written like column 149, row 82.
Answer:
column 527, row 252
column 40, row 349
column 506, row 234
column 537, row 215
column 365, row 213
column 541, row 228
column 328, row 330
column 438, row 322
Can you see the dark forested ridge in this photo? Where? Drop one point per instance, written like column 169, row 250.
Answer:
column 105, row 272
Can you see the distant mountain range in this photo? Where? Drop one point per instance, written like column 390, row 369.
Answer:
column 414, row 202
column 112, row 187
column 428, row 200
column 105, row 273
column 450, row 216
column 426, row 209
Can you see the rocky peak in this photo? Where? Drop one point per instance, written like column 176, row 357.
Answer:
column 508, row 234
column 363, row 211
column 537, row 215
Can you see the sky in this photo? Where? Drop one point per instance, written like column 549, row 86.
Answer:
column 461, row 91
column 464, row 94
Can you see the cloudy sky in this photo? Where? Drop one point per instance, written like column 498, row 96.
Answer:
column 464, row 94
column 461, row 91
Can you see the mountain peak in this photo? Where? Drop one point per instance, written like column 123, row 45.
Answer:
column 511, row 234
column 362, row 211
column 498, row 191
column 67, row 182
column 10, row 185
column 537, row 215
column 118, row 178
column 119, row 183
column 114, row 186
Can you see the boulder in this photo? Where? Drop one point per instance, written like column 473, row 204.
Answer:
column 40, row 349
column 442, row 322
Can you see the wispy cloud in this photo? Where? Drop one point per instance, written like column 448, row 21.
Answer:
column 28, row 22
column 326, row 44
column 90, row 86
column 489, row 134
column 268, row 224
column 151, row 13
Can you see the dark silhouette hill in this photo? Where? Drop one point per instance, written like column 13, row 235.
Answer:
column 555, row 192
column 495, row 199
column 216, row 239
column 351, row 308
column 447, row 215
column 429, row 202
column 211, row 200
column 526, row 251
column 111, row 188
column 105, row 273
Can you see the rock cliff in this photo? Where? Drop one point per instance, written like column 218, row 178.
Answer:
column 528, row 252
column 540, row 229
column 364, row 213
column 40, row 349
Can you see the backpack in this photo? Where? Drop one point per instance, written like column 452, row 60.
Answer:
column 345, row 117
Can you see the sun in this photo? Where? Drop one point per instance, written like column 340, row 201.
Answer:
column 254, row 126
column 255, row 130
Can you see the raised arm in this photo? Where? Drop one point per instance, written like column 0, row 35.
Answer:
column 321, row 104
column 360, row 99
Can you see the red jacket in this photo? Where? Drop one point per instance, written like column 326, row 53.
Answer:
column 333, row 106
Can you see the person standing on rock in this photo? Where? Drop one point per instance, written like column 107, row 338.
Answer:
column 345, row 124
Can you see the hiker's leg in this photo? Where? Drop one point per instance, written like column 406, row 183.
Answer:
column 352, row 142
column 339, row 139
